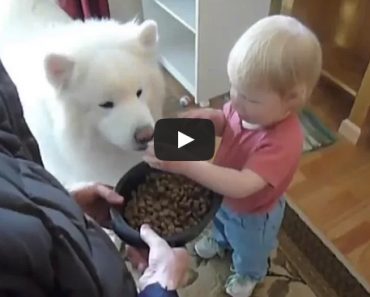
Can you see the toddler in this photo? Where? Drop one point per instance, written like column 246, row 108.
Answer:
column 273, row 69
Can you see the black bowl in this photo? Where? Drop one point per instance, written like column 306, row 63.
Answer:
column 129, row 182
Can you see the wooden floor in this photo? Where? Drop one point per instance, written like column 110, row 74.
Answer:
column 332, row 186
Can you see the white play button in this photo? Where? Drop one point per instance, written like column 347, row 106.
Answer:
column 183, row 139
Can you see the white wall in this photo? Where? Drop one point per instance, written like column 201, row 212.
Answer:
column 125, row 10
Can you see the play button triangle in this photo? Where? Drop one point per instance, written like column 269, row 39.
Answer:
column 183, row 139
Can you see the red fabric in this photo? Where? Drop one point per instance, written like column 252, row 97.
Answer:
column 84, row 9
column 273, row 153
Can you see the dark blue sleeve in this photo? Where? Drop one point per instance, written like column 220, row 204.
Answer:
column 156, row 290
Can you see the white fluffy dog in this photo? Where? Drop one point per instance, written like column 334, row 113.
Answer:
column 91, row 91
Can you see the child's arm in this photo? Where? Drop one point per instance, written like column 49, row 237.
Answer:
column 215, row 115
column 225, row 181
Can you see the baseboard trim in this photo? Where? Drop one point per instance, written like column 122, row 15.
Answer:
column 350, row 131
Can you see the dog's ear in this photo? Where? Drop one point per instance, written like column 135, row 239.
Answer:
column 58, row 69
column 148, row 34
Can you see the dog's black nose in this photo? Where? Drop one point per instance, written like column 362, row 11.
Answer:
column 143, row 135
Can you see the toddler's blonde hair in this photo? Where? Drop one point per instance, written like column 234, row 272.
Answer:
column 278, row 52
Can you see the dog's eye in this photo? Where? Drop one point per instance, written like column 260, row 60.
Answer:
column 108, row 104
column 139, row 92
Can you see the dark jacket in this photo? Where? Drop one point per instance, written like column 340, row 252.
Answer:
column 47, row 246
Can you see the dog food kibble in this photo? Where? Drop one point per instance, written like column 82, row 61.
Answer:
column 169, row 203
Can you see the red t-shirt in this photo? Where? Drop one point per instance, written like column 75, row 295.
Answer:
column 273, row 153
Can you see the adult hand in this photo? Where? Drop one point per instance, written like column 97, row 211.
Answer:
column 95, row 200
column 138, row 258
column 165, row 265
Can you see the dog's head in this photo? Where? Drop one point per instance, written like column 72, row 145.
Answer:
column 112, row 80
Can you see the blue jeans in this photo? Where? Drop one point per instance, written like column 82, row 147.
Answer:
column 251, row 237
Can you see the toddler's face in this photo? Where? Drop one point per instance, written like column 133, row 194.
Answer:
column 259, row 106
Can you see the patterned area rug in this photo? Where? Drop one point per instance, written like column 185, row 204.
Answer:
column 283, row 280
column 208, row 278
column 291, row 273
column 316, row 134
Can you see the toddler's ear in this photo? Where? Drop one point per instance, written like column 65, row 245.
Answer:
column 59, row 69
column 148, row 34
column 296, row 98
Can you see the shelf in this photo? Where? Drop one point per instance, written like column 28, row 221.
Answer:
column 176, row 43
column 188, row 32
column 343, row 68
column 178, row 58
column 182, row 10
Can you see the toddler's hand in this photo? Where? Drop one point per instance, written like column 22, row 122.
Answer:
column 197, row 113
column 154, row 162
column 215, row 115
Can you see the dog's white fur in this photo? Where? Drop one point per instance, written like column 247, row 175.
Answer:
column 65, row 69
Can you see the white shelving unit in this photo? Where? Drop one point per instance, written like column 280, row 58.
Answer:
column 196, row 37
column 183, row 11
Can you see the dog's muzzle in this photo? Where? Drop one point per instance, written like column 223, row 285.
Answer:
column 142, row 136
